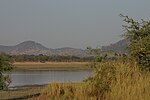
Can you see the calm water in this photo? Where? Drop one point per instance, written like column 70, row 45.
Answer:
column 21, row 78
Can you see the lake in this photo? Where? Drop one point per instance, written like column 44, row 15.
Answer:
column 39, row 77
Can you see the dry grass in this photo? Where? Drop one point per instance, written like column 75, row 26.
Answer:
column 35, row 63
column 129, row 84
column 67, row 91
column 19, row 93
column 51, row 65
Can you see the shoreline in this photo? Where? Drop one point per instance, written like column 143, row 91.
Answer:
column 51, row 66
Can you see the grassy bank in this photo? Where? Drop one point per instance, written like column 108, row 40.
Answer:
column 20, row 93
column 51, row 66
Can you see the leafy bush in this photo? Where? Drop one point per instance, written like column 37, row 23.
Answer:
column 5, row 66
column 139, row 36
column 103, row 75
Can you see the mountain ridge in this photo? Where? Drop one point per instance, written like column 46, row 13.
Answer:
column 35, row 48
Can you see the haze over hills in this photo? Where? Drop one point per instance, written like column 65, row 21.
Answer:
column 34, row 48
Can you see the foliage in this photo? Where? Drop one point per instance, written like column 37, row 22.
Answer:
column 5, row 66
column 141, row 51
column 139, row 36
column 103, row 75
column 98, row 56
column 45, row 58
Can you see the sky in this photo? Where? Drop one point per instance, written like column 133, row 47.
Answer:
column 67, row 23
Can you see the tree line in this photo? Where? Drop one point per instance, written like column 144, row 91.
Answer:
column 45, row 58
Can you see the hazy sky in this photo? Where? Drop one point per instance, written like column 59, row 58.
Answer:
column 67, row 23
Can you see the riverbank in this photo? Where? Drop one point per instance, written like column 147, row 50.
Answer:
column 21, row 93
column 51, row 66
column 28, row 92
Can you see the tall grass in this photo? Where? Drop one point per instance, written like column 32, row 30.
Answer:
column 130, row 83
column 110, row 81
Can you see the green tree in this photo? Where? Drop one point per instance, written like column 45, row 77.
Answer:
column 5, row 66
column 138, row 34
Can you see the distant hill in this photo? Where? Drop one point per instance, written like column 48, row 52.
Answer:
column 30, row 45
column 34, row 48
column 119, row 47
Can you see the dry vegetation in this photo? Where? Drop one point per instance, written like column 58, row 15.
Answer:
column 19, row 94
column 51, row 65
column 128, row 83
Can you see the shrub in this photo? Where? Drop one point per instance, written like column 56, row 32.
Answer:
column 139, row 35
column 5, row 66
